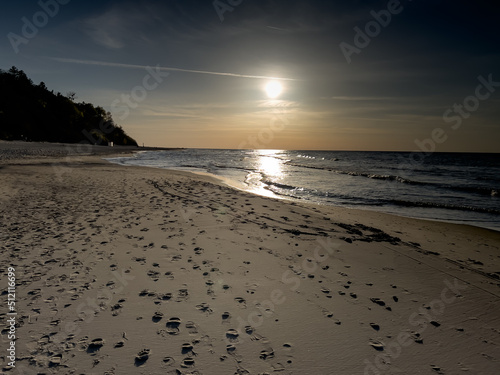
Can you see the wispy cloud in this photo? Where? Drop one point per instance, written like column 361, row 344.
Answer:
column 164, row 68
column 105, row 30
column 362, row 98
column 121, row 25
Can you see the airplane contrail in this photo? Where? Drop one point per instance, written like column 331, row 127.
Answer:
column 131, row 66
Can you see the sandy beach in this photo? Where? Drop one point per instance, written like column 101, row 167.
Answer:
column 128, row 270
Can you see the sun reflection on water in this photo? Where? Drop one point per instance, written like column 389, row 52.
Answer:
column 268, row 168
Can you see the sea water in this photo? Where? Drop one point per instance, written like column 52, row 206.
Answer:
column 454, row 187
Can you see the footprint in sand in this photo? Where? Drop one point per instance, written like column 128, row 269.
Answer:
column 187, row 348
column 232, row 335
column 164, row 297
column 115, row 309
column 192, row 328
column 204, row 307
column 278, row 367
column 329, row 314
column 252, row 288
column 141, row 260
column 176, row 257
column 437, row 369
column 157, row 317
column 210, row 291
column 119, row 344
column 187, row 362
column 266, row 354
column 231, row 350
column 82, row 343
column 168, row 361
column 145, row 292
column 173, row 326
column 241, row 302
column 377, row 345
column 378, row 301
column 249, row 330
column 241, row 371
column 142, row 357
column 417, row 337
column 95, row 345
column 155, row 275
column 182, row 295
column 226, row 317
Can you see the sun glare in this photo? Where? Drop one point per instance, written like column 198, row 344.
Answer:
column 274, row 89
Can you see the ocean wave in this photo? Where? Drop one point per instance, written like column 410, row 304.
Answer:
column 283, row 194
column 446, row 206
column 391, row 178
column 361, row 174
column 462, row 187
column 291, row 191
column 282, row 186
column 476, row 189
column 481, row 190
column 316, row 158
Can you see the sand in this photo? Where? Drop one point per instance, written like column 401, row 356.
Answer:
column 128, row 270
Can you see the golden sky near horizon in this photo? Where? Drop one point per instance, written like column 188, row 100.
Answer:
column 362, row 76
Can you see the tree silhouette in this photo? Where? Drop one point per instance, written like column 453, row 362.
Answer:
column 33, row 113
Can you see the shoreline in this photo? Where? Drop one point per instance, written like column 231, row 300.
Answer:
column 124, row 269
column 239, row 186
column 233, row 184
column 20, row 150
column 377, row 219
column 72, row 153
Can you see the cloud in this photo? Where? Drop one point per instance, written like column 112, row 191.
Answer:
column 363, row 98
column 121, row 25
column 163, row 68
column 106, row 29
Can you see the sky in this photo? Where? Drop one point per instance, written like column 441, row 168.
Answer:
column 348, row 75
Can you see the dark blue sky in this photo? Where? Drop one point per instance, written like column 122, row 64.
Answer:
column 421, row 64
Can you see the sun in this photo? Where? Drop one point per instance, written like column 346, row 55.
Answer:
column 273, row 89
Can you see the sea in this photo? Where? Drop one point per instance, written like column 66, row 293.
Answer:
column 460, row 188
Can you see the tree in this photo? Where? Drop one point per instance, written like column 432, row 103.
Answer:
column 71, row 96
column 29, row 111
